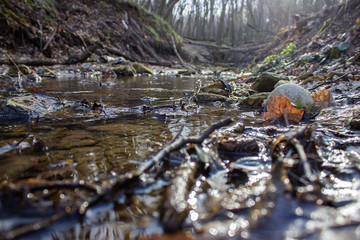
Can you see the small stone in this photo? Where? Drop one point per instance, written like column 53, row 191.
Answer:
column 344, row 46
column 266, row 81
column 124, row 71
column 296, row 94
column 139, row 68
column 256, row 99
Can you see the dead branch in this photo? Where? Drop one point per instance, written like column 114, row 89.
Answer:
column 52, row 37
column 31, row 61
column 180, row 142
column 176, row 52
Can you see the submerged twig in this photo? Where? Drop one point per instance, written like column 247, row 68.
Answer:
column 303, row 159
column 180, row 142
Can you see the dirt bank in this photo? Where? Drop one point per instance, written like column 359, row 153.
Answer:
column 72, row 31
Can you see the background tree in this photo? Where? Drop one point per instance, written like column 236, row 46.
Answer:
column 232, row 22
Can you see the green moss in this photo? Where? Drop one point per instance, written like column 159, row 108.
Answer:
column 159, row 26
column 31, row 3
column 326, row 23
column 19, row 19
column 153, row 32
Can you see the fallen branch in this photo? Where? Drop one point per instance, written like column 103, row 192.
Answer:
column 52, row 37
column 176, row 52
column 180, row 142
column 31, row 61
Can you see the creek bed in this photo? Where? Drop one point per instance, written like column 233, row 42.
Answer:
column 240, row 197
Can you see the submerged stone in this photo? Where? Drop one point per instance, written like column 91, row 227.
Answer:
column 296, row 94
column 47, row 73
column 266, row 81
column 29, row 106
column 124, row 71
column 139, row 68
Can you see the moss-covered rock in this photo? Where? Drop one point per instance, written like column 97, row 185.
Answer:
column 334, row 53
column 47, row 73
column 139, row 68
column 13, row 70
column 30, row 106
column 124, row 71
column 266, row 81
column 186, row 72
column 218, row 87
column 256, row 99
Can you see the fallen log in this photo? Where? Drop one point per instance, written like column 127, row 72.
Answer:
column 31, row 61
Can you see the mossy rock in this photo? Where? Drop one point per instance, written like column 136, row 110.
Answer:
column 13, row 70
column 139, row 68
column 334, row 53
column 46, row 72
column 186, row 72
column 266, row 81
column 296, row 94
column 216, row 88
column 30, row 106
column 256, row 99
column 209, row 97
column 124, row 71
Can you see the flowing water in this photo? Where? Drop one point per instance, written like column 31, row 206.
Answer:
column 110, row 142
column 95, row 148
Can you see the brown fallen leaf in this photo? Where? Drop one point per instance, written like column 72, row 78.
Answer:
column 322, row 98
column 280, row 106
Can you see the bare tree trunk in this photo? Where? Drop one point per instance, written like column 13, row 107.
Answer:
column 221, row 22
column 211, row 21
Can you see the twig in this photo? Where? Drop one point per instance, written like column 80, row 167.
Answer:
column 180, row 142
column 51, row 37
column 178, row 134
column 303, row 159
column 176, row 52
column 329, row 81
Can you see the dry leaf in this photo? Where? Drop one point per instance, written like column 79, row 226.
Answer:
column 322, row 98
column 280, row 106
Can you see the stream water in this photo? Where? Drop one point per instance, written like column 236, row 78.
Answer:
column 82, row 146
column 101, row 145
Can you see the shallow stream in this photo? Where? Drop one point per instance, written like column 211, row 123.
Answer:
column 96, row 148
